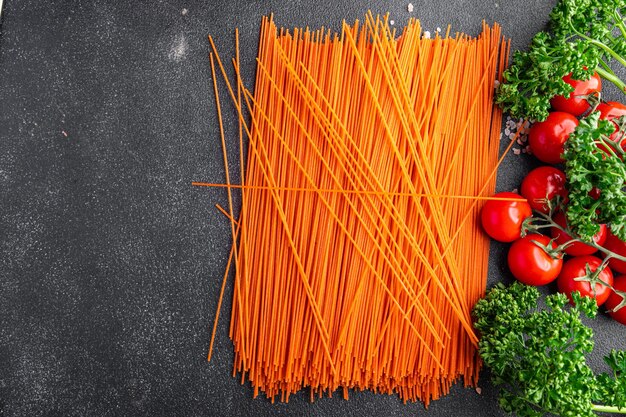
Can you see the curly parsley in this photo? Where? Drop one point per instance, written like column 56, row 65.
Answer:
column 537, row 356
column 585, row 36
column 587, row 166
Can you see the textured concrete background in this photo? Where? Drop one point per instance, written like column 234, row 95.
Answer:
column 110, row 262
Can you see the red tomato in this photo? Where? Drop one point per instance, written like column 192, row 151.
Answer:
column 576, row 248
column 530, row 263
column 609, row 111
column 541, row 183
column 574, row 104
column 502, row 220
column 595, row 193
column 619, row 283
column 546, row 138
column 576, row 267
column 614, row 244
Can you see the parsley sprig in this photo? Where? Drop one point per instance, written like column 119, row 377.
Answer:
column 584, row 36
column 588, row 166
column 537, row 356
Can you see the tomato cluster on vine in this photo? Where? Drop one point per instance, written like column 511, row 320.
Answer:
column 544, row 249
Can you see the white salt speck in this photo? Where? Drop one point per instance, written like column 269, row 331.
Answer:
column 519, row 142
column 391, row 22
column 410, row 7
column 512, row 136
column 496, row 83
column 438, row 29
column 497, row 5
column 427, row 34
column 184, row 12
column 507, row 131
column 516, row 151
column 515, row 190
column 178, row 50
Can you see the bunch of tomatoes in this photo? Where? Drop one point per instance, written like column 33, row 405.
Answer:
column 543, row 249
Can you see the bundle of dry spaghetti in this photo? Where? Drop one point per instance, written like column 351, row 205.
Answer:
column 356, row 250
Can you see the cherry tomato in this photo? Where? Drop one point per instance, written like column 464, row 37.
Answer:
column 576, row 248
column 502, row 220
column 619, row 283
column 574, row 104
column 541, row 183
column 546, row 138
column 530, row 263
column 614, row 244
column 609, row 111
column 595, row 193
column 577, row 267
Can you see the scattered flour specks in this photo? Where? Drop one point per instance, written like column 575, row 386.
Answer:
column 184, row 12
column 410, row 7
column 178, row 49
column 391, row 22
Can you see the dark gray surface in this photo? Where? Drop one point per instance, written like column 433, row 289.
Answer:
column 110, row 262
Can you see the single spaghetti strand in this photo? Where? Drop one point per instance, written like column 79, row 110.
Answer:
column 223, row 140
column 221, row 296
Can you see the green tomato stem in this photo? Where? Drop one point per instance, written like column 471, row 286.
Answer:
column 531, row 226
column 608, row 409
column 607, row 252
